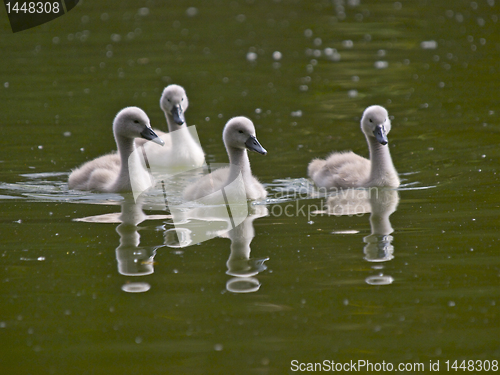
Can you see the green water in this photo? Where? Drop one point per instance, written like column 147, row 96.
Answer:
column 433, row 293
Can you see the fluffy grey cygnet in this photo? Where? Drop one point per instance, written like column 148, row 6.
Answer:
column 349, row 170
column 181, row 151
column 110, row 173
column 238, row 135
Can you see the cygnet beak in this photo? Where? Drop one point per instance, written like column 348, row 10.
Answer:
column 380, row 134
column 253, row 144
column 150, row 135
column 178, row 115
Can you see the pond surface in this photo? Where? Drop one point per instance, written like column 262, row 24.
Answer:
column 95, row 284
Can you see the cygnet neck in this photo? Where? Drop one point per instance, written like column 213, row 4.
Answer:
column 125, row 147
column 238, row 162
column 381, row 161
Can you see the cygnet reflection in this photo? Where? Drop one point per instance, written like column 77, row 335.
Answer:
column 214, row 222
column 132, row 259
column 380, row 203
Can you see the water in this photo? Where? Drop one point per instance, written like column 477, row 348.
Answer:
column 414, row 279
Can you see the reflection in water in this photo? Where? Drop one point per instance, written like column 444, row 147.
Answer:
column 132, row 259
column 381, row 202
column 215, row 221
column 239, row 264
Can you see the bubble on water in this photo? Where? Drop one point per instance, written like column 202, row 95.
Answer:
column 348, row 44
column 251, row 56
column 143, row 12
column 116, row 37
column 352, row 93
column 308, row 33
column 277, row 55
column 381, row 64
column 428, row 44
column 191, row 11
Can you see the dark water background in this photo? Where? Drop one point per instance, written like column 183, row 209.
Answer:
column 434, row 293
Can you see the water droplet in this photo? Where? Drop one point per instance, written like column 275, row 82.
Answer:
column 348, row 44
column 381, row 64
column 429, row 44
column 352, row 93
column 191, row 11
column 143, row 12
column 251, row 56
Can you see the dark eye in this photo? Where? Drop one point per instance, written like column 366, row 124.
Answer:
column 371, row 120
column 240, row 131
column 136, row 121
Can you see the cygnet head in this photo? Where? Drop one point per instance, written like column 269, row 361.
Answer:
column 375, row 123
column 174, row 102
column 239, row 132
column 132, row 122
